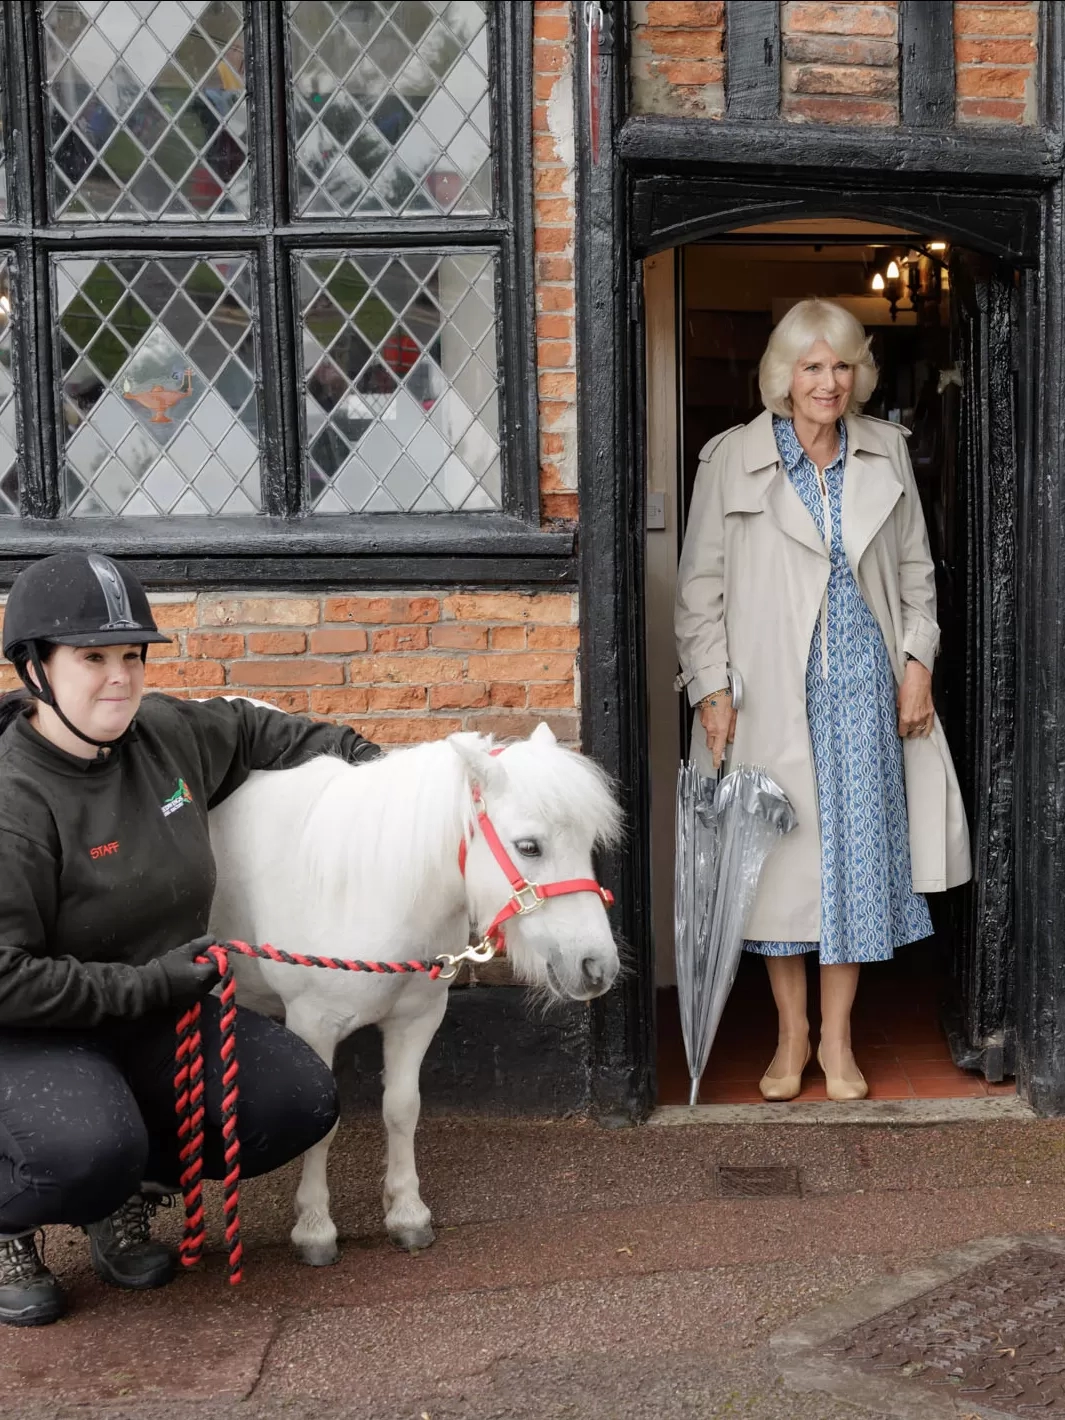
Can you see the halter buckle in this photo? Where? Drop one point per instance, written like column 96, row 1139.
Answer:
column 528, row 898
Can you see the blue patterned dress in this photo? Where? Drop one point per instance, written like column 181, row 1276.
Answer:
column 868, row 906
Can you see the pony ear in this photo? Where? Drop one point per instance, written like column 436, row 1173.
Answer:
column 543, row 735
column 481, row 767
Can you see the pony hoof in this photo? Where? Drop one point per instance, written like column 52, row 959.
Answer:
column 319, row 1254
column 412, row 1239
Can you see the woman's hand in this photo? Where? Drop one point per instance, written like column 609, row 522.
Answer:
column 916, row 711
column 719, row 721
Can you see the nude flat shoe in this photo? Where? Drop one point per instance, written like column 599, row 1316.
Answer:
column 839, row 1089
column 782, row 1087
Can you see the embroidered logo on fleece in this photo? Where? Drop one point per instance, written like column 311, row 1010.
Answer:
column 177, row 800
column 104, row 850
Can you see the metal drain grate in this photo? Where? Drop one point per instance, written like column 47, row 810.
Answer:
column 995, row 1336
column 768, row 1182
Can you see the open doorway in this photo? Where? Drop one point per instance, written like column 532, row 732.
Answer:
column 710, row 308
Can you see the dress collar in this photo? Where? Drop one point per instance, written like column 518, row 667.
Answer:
column 759, row 447
column 792, row 452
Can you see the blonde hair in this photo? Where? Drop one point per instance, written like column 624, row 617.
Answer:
column 804, row 325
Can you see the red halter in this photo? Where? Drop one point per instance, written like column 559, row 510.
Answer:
column 525, row 897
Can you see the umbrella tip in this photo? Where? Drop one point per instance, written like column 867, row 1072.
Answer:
column 693, row 1097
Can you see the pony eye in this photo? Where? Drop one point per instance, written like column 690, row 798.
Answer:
column 528, row 847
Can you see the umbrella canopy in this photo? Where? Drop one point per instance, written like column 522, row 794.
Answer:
column 726, row 829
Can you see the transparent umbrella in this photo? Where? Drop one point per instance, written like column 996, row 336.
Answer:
column 725, row 831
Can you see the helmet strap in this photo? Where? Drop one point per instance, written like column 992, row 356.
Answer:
column 43, row 692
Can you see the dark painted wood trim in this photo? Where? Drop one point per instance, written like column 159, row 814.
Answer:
column 978, row 655
column 926, row 54
column 442, row 535
column 285, row 574
column 669, row 210
column 512, row 33
column 1040, row 867
column 752, row 59
column 27, row 202
column 25, row 53
column 355, row 231
column 981, row 157
column 611, row 552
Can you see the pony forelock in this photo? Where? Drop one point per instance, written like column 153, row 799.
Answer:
column 565, row 787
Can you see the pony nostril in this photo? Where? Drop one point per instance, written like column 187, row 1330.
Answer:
column 592, row 970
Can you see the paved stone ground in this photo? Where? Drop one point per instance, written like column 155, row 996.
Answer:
column 578, row 1273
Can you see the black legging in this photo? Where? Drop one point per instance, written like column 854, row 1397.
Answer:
column 87, row 1116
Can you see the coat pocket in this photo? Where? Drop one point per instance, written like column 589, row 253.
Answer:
column 739, row 498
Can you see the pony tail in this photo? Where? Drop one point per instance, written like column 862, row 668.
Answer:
column 11, row 706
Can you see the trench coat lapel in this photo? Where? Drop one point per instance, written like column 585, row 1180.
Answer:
column 871, row 488
column 761, row 459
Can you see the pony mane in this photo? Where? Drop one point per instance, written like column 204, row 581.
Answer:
column 409, row 848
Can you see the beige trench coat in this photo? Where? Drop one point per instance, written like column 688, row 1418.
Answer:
column 752, row 576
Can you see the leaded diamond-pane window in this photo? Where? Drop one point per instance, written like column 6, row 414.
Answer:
column 401, row 398
column 389, row 106
column 8, row 436
column 158, row 363
column 147, row 110
column 272, row 274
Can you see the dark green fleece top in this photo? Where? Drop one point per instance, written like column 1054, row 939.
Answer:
column 106, row 864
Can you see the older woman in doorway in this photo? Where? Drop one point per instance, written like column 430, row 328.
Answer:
column 806, row 570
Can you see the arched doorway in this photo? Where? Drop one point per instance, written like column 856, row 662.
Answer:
column 948, row 341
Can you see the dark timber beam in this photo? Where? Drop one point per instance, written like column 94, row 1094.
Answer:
column 710, row 145
column 926, row 45
column 752, row 54
column 611, row 571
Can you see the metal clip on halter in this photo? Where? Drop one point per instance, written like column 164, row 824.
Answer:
column 483, row 952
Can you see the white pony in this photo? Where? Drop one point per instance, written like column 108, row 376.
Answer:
column 363, row 862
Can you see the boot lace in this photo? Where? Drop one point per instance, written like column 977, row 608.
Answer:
column 131, row 1224
column 19, row 1258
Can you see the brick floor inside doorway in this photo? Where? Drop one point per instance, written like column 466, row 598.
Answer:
column 899, row 1040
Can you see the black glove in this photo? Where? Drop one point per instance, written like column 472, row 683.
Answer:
column 187, row 978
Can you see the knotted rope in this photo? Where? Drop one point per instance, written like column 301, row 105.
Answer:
column 189, row 1088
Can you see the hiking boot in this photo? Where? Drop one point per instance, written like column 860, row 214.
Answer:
column 122, row 1249
column 29, row 1294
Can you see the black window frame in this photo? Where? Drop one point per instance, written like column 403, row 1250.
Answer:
column 283, row 543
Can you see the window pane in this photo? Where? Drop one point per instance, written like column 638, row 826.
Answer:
column 389, row 107
column 147, row 109
column 401, row 398
column 159, row 367
column 8, row 436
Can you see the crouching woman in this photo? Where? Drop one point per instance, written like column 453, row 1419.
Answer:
column 106, row 881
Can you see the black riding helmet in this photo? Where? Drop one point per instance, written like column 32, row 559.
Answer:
column 74, row 599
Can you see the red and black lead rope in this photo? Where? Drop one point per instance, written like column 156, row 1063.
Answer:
column 189, row 1089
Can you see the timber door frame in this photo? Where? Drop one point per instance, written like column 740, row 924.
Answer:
column 660, row 182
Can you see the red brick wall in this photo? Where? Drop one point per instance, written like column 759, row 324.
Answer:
column 995, row 54
column 840, row 62
column 678, row 64
column 840, row 59
column 553, row 179
column 399, row 667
